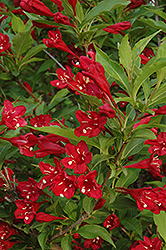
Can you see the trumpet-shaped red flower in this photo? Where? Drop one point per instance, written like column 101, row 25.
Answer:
column 134, row 4
column 158, row 145
column 111, row 222
column 95, row 243
column 26, row 210
column 73, row 5
column 152, row 164
column 60, row 18
column 55, row 41
column 5, row 245
column 64, row 78
column 118, row 27
column 6, row 230
column 36, row 7
column 43, row 217
column 46, row 147
column 64, row 185
column 149, row 244
column 11, row 117
column 148, row 198
column 161, row 111
column 95, row 71
column 91, row 124
column 25, row 143
column 146, row 55
column 50, row 173
column 99, row 204
column 29, row 190
column 4, row 43
column 79, row 157
column 107, row 111
column 89, row 186
column 41, row 120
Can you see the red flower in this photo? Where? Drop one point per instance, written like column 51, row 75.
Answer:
column 148, row 198
column 118, row 27
column 134, row 4
column 55, row 41
column 73, row 5
column 60, row 18
column 6, row 174
column 107, row 111
column 149, row 244
column 26, row 210
column 161, row 111
column 99, row 204
column 64, row 76
column 43, row 217
column 50, row 173
column 43, row 25
column 4, row 43
column 64, row 185
column 111, row 222
column 27, row 85
column 79, row 157
column 146, row 55
column 25, row 143
column 5, row 245
column 2, row 17
column 91, row 124
column 41, row 120
column 152, row 164
column 89, row 186
column 11, row 117
column 95, row 71
column 158, row 145
column 46, row 147
column 29, row 190
column 95, row 243
column 6, row 230
column 85, row 85
column 36, row 7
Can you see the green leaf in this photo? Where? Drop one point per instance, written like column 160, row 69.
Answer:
column 17, row 24
column 157, row 12
column 160, row 221
column 22, row 42
column 67, row 8
column 123, row 202
column 159, row 96
column 123, row 244
column 112, row 68
column 5, row 76
column 133, row 147
column 132, row 224
column 70, row 209
column 147, row 71
column 159, row 25
column 161, row 54
column 79, row 12
column 140, row 46
column 34, row 59
column 69, row 133
column 102, row 7
column 33, row 51
column 88, row 204
column 125, row 54
column 126, row 180
column 90, row 232
column 46, row 65
column 66, row 242
column 42, row 238
column 146, row 133
column 3, row 213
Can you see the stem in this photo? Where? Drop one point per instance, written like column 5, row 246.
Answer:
column 53, row 58
column 29, row 92
column 84, row 217
column 157, row 20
